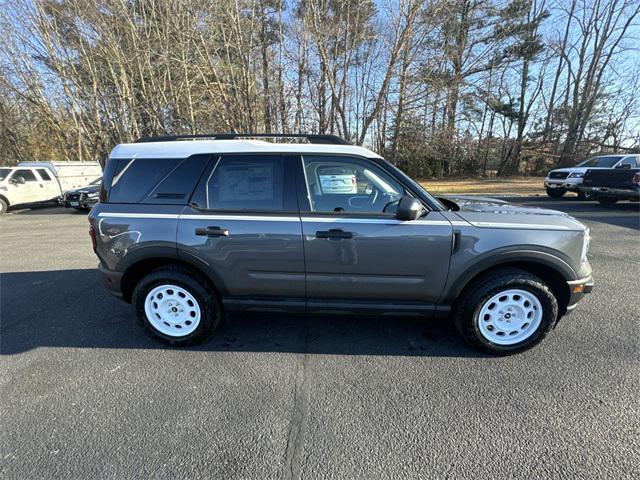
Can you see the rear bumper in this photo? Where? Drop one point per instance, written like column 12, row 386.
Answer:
column 612, row 192
column 579, row 288
column 111, row 280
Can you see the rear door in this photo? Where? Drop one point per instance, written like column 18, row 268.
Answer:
column 243, row 226
column 357, row 254
column 48, row 186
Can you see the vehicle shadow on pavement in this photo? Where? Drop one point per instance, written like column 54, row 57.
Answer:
column 69, row 308
column 46, row 210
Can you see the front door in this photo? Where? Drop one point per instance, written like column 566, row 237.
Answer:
column 25, row 187
column 243, row 227
column 357, row 254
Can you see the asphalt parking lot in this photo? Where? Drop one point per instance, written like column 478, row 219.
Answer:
column 85, row 394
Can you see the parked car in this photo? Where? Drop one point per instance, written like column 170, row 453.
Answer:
column 563, row 180
column 187, row 230
column 82, row 198
column 609, row 186
column 40, row 182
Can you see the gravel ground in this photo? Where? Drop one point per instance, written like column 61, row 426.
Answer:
column 85, row 394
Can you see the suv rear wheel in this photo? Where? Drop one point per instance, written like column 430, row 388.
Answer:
column 507, row 311
column 176, row 307
column 3, row 206
column 585, row 195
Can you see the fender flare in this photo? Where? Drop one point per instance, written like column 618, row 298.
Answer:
column 169, row 254
column 495, row 258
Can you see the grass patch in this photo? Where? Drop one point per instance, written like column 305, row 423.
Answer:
column 487, row 186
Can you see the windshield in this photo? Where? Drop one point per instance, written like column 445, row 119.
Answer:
column 97, row 181
column 4, row 172
column 604, row 162
column 416, row 186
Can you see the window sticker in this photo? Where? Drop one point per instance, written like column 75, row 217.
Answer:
column 338, row 183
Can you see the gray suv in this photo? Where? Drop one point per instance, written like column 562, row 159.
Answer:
column 189, row 227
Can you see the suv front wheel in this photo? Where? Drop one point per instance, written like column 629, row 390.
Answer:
column 556, row 192
column 176, row 307
column 505, row 312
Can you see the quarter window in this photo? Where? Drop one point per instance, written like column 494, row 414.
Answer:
column 350, row 185
column 154, row 180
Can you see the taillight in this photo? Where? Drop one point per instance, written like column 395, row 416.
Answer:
column 636, row 179
column 92, row 234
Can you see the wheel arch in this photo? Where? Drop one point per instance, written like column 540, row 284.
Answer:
column 553, row 270
column 141, row 267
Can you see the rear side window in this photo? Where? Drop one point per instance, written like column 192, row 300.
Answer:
column 153, row 181
column 44, row 174
column 246, row 182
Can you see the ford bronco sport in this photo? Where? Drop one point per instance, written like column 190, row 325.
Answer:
column 189, row 227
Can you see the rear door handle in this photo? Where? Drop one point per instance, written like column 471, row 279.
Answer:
column 333, row 233
column 212, row 232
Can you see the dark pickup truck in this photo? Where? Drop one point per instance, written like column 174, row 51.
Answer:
column 609, row 186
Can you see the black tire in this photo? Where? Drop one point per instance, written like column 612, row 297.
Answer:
column 207, row 299
column 556, row 192
column 585, row 196
column 3, row 206
column 467, row 310
column 607, row 200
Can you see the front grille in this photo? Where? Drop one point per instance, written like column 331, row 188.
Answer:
column 558, row 174
column 73, row 196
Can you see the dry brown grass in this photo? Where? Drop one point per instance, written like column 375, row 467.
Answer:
column 487, row 186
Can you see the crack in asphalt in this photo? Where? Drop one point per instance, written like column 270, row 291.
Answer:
column 300, row 416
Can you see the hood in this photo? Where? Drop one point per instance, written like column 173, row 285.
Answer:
column 485, row 212
column 577, row 169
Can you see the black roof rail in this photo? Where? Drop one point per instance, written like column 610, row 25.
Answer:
column 311, row 138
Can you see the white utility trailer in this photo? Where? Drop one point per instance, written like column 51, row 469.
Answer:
column 37, row 182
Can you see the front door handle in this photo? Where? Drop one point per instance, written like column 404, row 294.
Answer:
column 333, row 233
column 212, row 232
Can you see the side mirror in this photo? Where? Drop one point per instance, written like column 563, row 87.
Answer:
column 18, row 181
column 624, row 165
column 409, row 208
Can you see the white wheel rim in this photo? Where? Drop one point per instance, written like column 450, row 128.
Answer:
column 509, row 317
column 172, row 310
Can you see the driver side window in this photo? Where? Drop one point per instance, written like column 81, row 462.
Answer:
column 630, row 161
column 338, row 184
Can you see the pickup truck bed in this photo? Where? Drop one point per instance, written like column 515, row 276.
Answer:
column 611, row 185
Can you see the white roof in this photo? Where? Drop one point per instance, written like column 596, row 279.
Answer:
column 185, row 148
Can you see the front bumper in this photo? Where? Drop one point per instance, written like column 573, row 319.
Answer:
column 85, row 204
column 612, row 192
column 572, row 184
column 578, row 289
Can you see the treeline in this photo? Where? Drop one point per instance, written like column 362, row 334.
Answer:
column 441, row 87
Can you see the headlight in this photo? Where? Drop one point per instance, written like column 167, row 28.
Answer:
column 585, row 245
column 576, row 175
column 93, row 195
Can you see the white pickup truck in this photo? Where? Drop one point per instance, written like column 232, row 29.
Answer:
column 37, row 182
